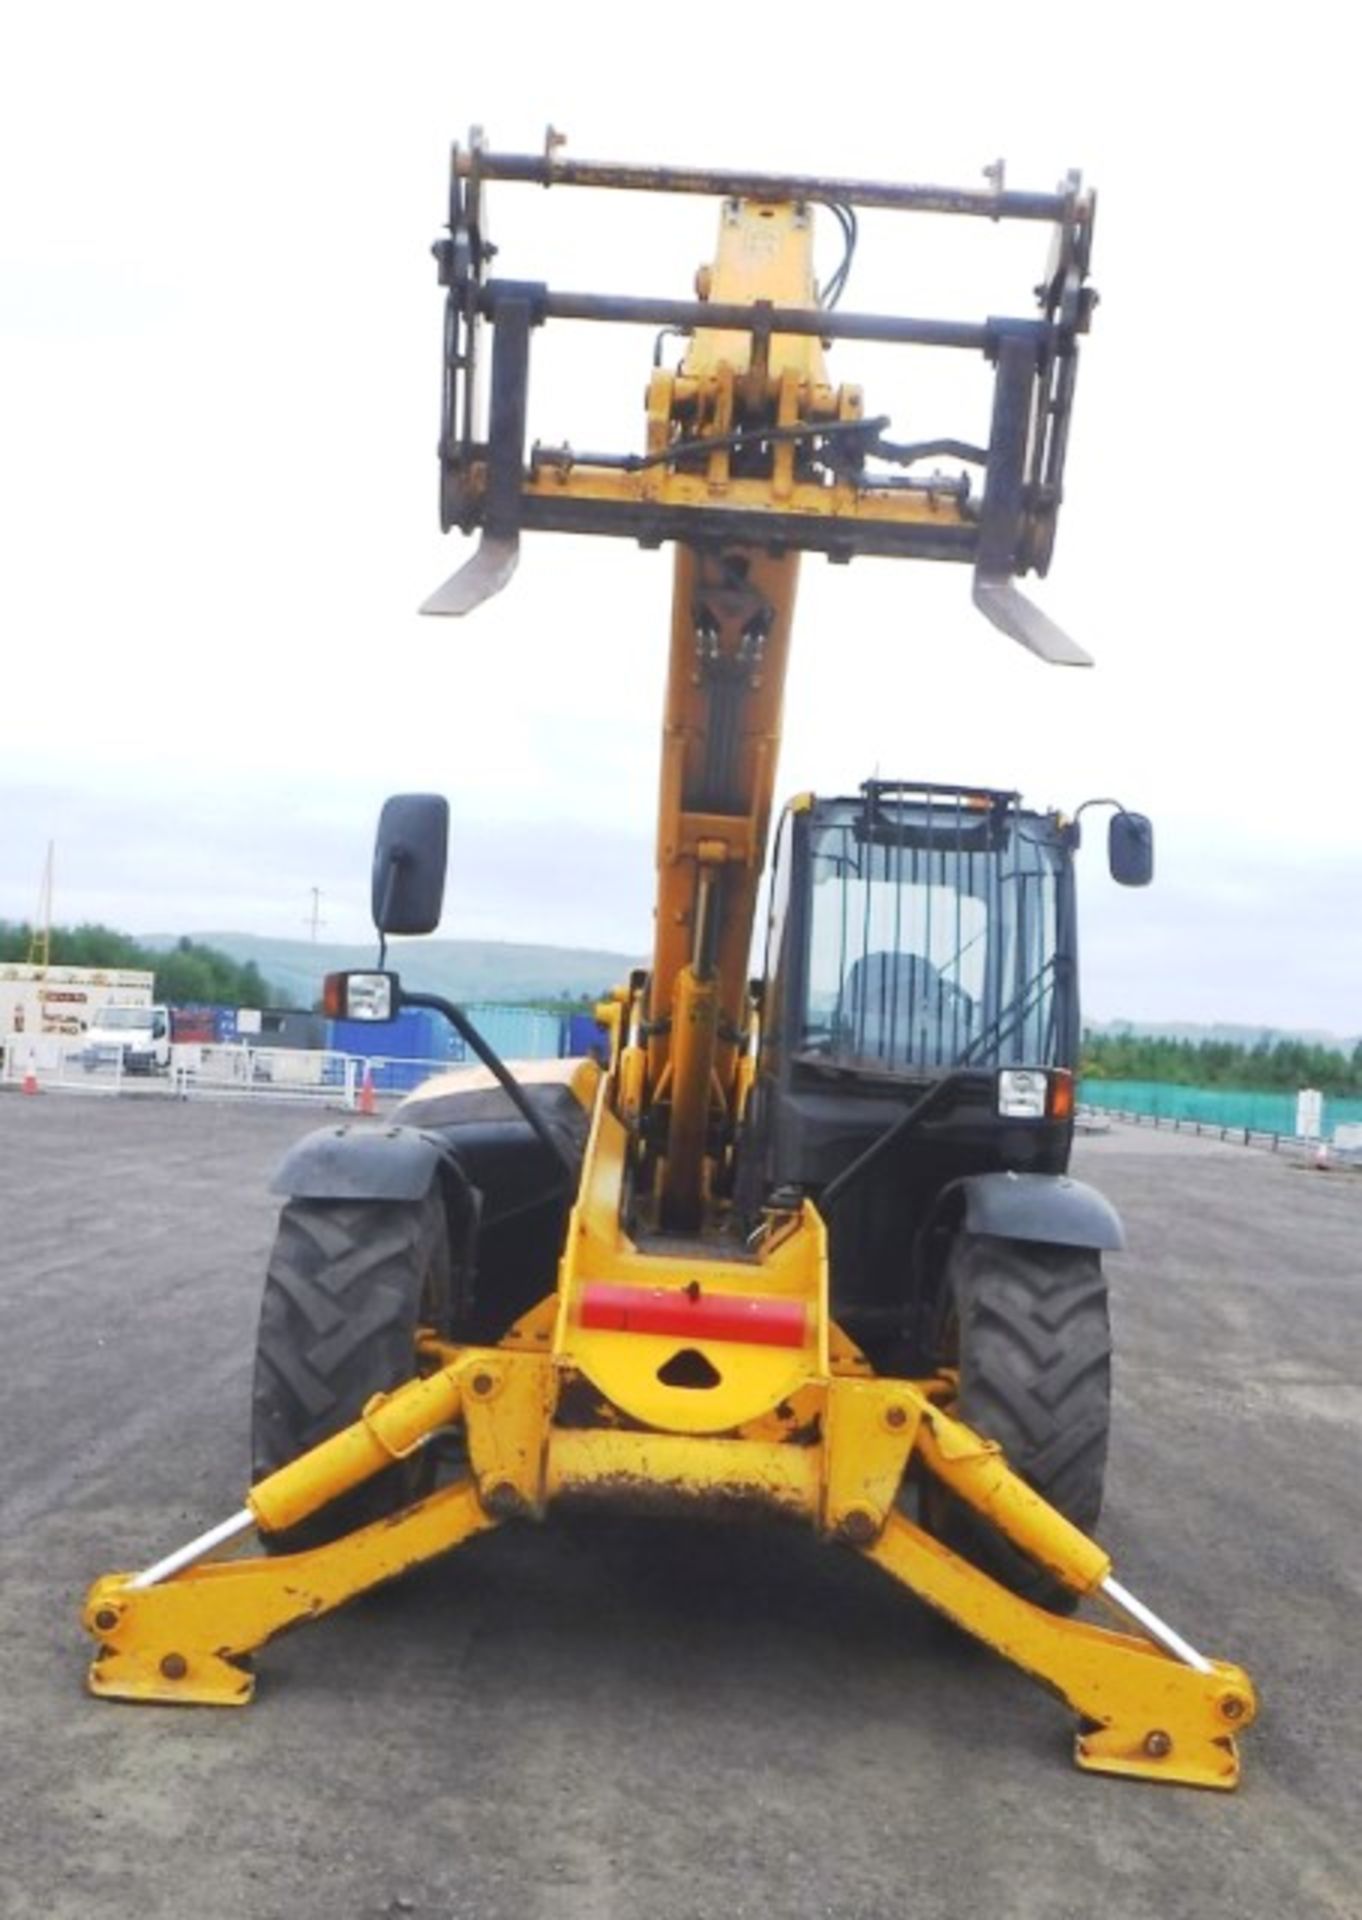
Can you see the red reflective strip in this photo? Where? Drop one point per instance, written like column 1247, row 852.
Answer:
column 759, row 1321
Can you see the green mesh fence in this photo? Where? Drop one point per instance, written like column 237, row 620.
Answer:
column 1236, row 1107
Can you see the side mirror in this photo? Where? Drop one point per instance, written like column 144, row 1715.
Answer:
column 1130, row 849
column 410, row 854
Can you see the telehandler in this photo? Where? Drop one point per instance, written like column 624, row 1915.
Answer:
column 806, row 1243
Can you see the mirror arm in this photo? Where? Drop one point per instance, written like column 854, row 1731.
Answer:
column 1102, row 801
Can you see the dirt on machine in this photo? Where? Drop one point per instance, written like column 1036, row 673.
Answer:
column 804, row 1242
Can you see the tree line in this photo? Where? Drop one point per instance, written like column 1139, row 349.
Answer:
column 1268, row 1066
column 187, row 974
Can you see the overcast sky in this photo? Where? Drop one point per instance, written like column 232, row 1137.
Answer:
column 219, row 348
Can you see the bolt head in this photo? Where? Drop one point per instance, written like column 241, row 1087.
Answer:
column 896, row 1416
column 106, row 1619
column 858, row 1527
column 503, row 1500
column 1158, row 1745
column 1233, row 1706
column 174, row 1666
column 482, row 1384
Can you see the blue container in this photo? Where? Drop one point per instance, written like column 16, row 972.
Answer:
column 519, row 1033
column 584, row 1034
column 404, row 1051
column 416, row 1034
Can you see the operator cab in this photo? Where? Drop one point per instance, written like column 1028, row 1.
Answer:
column 937, row 935
column 919, row 937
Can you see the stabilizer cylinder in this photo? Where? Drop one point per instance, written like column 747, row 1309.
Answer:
column 976, row 1470
column 391, row 1427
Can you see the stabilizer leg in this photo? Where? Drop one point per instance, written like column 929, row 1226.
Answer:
column 1145, row 1714
column 185, row 1640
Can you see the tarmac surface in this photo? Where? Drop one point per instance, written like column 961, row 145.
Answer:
column 594, row 1720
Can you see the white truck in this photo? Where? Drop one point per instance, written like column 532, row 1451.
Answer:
column 135, row 1037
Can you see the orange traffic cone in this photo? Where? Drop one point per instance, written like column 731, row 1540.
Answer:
column 30, row 1080
column 367, row 1103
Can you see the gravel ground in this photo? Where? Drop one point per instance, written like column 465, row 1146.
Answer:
column 622, row 1718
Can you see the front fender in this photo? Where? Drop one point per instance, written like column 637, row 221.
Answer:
column 360, row 1163
column 1040, row 1206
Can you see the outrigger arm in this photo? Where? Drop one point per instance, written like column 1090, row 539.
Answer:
column 1150, row 1706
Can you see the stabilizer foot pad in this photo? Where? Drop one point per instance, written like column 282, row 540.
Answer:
column 203, row 1681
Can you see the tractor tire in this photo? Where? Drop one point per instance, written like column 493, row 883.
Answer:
column 1027, row 1325
column 348, row 1285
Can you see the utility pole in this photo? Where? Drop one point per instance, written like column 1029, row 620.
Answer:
column 40, row 937
column 314, row 919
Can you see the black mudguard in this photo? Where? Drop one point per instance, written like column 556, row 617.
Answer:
column 360, row 1163
column 1040, row 1206
column 506, row 1196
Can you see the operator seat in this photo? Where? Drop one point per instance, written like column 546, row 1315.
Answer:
column 897, row 1010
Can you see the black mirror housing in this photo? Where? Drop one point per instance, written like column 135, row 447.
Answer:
column 410, row 854
column 1130, row 849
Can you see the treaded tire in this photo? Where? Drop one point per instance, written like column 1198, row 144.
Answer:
column 348, row 1285
column 1030, row 1332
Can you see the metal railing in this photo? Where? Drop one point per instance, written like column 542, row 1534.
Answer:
column 1344, row 1146
column 1176, row 1123
column 53, row 1064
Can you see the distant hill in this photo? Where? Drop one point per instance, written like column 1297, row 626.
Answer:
column 465, row 970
